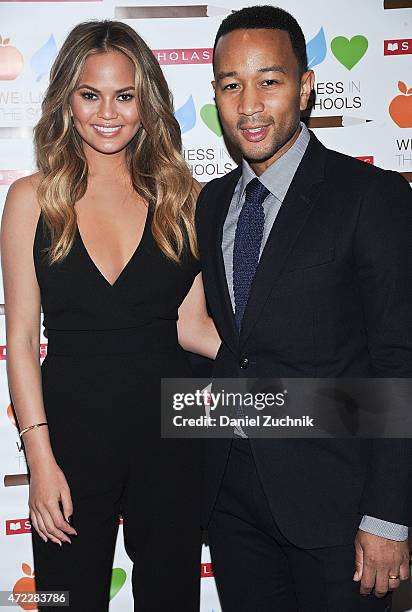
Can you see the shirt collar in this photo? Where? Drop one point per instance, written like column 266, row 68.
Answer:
column 278, row 176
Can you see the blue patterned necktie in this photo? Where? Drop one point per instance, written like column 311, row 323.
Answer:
column 248, row 239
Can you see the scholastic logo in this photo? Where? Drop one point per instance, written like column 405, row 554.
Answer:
column 401, row 46
column 17, row 526
column 368, row 159
column 206, row 570
column 166, row 57
column 3, row 351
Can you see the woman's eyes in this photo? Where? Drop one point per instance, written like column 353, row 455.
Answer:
column 90, row 95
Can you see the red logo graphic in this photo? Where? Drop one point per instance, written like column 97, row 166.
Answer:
column 369, row 159
column 18, row 526
column 26, row 584
column 401, row 46
column 400, row 109
column 54, row 1
column 3, row 351
column 166, row 57
column 11, row 415
column 11, row 60
column 206, row 570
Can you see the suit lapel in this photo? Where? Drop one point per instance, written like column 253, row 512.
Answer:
column 289, row 223
column 218, row 279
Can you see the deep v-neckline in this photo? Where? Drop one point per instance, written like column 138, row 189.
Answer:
column 129, row 261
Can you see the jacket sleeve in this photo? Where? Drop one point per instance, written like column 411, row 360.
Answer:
column 383, row 256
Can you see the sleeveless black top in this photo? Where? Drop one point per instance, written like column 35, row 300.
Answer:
column 76, row 296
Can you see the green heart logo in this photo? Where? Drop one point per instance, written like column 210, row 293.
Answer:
column 210, row 117
column 118, row 580
column 349, row 52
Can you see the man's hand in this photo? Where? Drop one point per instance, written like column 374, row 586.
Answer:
column 376, row 559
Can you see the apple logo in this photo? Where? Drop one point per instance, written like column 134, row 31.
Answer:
column 11, row 414
column 11, row 60
column 26, row 584
column 400, row 109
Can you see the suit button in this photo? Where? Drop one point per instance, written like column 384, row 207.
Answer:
column 244, row 363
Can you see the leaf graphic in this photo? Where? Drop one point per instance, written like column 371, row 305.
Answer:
column 6, row 41
column 409, row 91
column 316, row 49
column 43, row 59
column 186, row 115
column 402, row 87
column 210, row 117
column 118, row 579
column 26, row 569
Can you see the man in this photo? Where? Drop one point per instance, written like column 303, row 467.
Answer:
column 307, row 266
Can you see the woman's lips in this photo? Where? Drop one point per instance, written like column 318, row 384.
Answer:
column 255, row 134
column 107, row 131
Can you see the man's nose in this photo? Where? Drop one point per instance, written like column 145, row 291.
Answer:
column 250, row 102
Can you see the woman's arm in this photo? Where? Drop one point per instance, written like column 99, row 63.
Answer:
column 196, row 330
column 22, row 306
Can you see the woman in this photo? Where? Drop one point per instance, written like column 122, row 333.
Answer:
column 103, row 237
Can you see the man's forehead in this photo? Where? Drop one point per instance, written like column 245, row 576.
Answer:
column 260, row 46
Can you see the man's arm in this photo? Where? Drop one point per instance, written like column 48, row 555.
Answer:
column 383, row 254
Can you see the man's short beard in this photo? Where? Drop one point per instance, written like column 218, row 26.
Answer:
column 273, row 150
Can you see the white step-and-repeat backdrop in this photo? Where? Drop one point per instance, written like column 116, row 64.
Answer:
column 361, row 52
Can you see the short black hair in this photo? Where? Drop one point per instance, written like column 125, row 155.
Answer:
column 268, row 18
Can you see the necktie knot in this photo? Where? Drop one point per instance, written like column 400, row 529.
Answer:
column 256, row 192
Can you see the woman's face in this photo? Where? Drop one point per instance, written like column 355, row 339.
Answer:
column 104, row 106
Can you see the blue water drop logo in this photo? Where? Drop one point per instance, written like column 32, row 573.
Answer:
column 316, row 49
column 42, row 60
column 186, row 115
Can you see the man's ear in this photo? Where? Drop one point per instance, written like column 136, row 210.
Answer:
column 307, row 83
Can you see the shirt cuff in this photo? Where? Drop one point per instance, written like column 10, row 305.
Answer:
column 384, row 529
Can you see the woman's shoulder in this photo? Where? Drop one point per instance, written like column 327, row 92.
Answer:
column 21, row 207
column 25, row 188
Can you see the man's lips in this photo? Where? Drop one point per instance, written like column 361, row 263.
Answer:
column 255, row 133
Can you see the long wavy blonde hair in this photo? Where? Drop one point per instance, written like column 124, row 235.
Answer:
column 157, row 169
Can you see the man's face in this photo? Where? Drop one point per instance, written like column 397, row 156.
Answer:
column 260, row 93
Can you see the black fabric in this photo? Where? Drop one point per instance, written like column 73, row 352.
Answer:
column 108, row 348
column 332, row 296
column 257, row 568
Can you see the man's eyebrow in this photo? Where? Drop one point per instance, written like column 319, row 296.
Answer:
column 119, row 91
column 274, row 68
column 225, row 75
column 233, row 73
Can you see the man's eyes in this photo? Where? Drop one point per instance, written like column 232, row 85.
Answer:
column 265, row 83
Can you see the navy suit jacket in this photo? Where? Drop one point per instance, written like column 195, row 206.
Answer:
column 332, row 297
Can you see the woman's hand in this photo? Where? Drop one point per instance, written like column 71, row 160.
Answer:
column 48, row 487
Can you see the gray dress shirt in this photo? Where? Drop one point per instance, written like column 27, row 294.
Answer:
column 277, row 179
